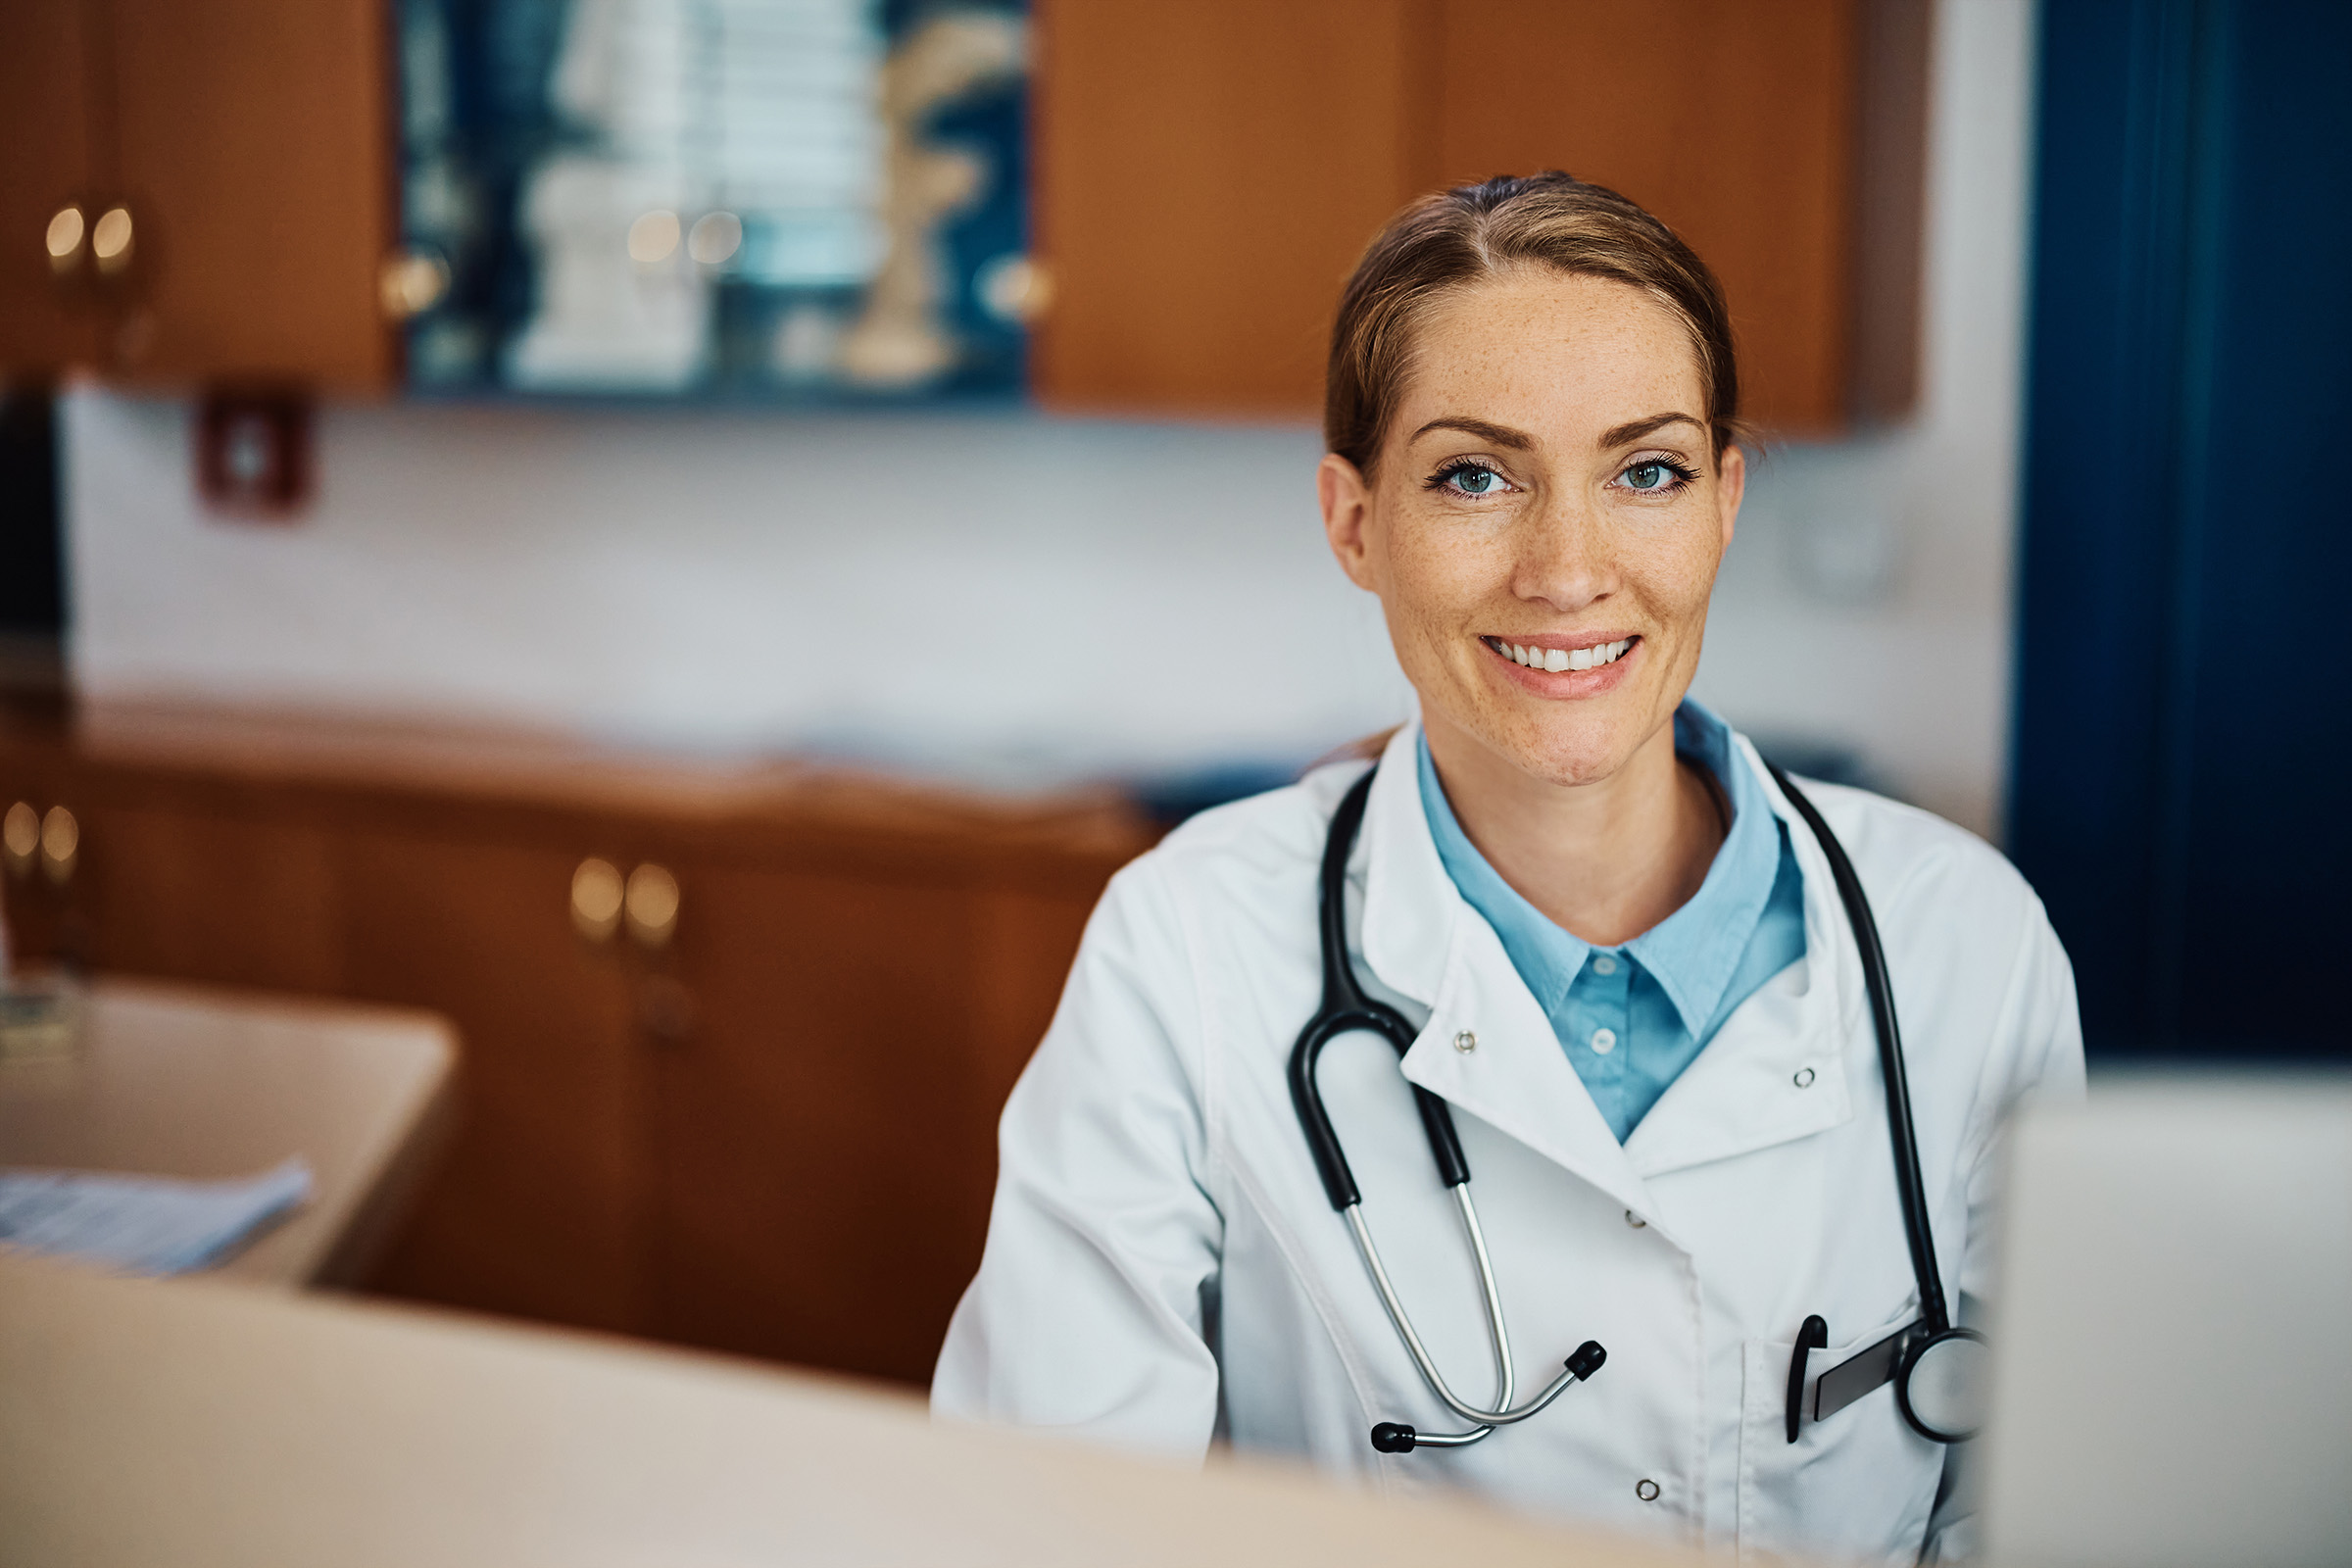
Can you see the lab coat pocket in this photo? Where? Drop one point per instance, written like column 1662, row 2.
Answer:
column 1848, row 1486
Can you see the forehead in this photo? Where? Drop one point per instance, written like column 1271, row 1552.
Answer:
column 1559, row 355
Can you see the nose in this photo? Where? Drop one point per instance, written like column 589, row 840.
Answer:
column 1563, row 559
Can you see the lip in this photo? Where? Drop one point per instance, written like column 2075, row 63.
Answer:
column 1567, row 685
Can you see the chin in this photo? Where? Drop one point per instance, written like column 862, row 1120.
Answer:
column 1566, row 754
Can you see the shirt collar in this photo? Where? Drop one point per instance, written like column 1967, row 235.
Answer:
column 1693, row 951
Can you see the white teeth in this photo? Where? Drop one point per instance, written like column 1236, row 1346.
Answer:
column 1562, row 658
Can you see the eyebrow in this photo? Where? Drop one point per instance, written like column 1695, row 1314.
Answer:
column 1503, row 435
column 1639, row 428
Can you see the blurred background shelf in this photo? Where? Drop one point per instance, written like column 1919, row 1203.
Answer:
column 1204, row 175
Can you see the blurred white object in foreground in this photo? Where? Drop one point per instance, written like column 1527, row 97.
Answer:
column 201, row 1423
column 2175, row 1371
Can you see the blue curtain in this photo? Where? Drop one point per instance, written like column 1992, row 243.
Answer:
column 2182, row 786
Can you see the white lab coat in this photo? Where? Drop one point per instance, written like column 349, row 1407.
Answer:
column 1163, row 1268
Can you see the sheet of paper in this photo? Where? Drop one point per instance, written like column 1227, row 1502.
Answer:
column 144, row 1224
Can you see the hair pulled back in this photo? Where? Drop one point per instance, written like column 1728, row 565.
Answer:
column 1456, row 237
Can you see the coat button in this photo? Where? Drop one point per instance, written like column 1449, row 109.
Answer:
column 1636, row 1220
column 1804, row 1078
column 1465, row 1040
column 1647, row 1491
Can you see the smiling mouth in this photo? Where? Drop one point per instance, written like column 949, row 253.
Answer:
column 1559, row 659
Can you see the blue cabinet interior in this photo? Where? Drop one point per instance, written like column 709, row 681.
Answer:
column 534, row 131
column 2182, row 745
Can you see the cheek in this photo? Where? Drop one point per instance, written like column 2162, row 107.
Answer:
column 1437, row 573
column 1679, row 573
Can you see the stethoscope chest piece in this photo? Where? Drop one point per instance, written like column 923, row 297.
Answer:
column 1941, row 1382
column 1939, row 1370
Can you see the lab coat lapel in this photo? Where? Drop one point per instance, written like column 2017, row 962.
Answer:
column 1422, row 939
column 1778, row 1069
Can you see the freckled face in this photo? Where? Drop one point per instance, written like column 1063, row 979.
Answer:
column 1545, row 520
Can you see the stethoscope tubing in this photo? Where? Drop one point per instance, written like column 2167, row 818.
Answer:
column 1498, row 1333
column 1346, row 1010
column 1901, row 1136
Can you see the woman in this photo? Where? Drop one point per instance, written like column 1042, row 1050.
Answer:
column 1622, row 963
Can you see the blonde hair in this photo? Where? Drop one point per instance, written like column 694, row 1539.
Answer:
column 1456, row 237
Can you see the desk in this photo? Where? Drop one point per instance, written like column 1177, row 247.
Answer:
column 176, row 1080
column 207, row 1424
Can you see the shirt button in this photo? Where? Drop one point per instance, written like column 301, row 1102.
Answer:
column 1605, row 1041
column 1804, row 1077
column 1604, row 965
column 1647, row 1491
column 1465, row 1040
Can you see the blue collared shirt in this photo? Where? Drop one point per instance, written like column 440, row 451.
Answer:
column 1633, row 1017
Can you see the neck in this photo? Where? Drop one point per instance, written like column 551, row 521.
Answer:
column 1604, row 860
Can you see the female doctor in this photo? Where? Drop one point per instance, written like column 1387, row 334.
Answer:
column 1617, row 959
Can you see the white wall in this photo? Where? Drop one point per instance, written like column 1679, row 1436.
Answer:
column 1868, row 598
column 1010, row 596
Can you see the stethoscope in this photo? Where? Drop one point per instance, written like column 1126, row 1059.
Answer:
column 1937, row 1368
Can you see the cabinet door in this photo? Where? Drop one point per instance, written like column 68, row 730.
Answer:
column 536, row 1208
column 827, row 1120
column 255, row 155
column 44, row 125
column 1733, row 122
column 1206, row 174
column 169, row 889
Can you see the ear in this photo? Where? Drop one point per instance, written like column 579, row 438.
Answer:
column 1730, row 489
column 1346, row 501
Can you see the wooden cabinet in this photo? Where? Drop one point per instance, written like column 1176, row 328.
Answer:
column 770, row 1132
column 223, row 892
column 815, row 1200
column 1205, row 176
column 540, row 1210
column 1208, row 173
column 46, row 322
column 248, row 144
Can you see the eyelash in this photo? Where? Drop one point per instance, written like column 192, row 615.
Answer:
column 1684, row 476
column 1438, row 480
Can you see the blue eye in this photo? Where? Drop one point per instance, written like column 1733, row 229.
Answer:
column 1647, row 477
column 1470, row 479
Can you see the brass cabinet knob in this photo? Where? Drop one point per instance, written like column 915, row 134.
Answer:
column 653, row 905
column 61, row 844
column 1015, row 288
column 595, row 897
column 68, row 228
column 410, row 283
column 111, row 239
column 20, row 838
